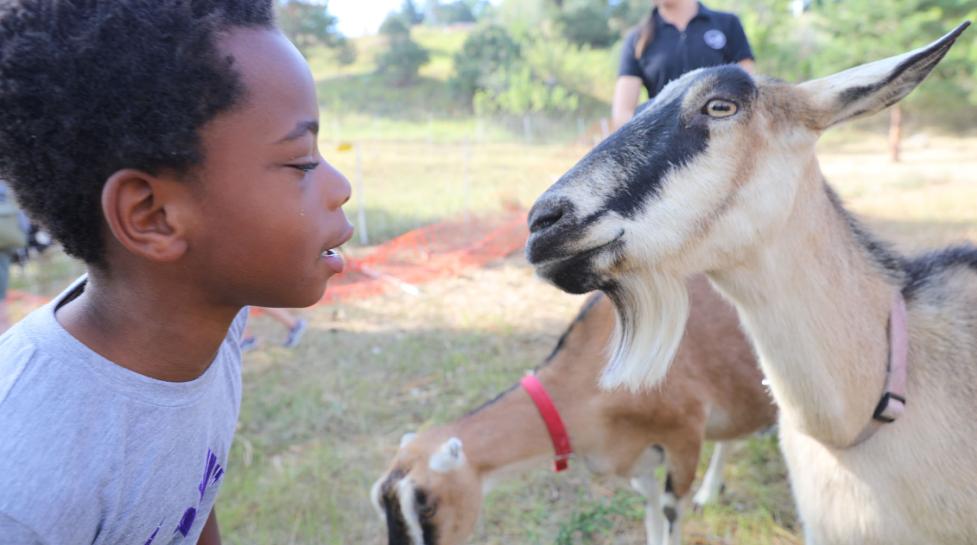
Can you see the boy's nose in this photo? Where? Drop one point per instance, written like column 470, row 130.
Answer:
column 338, row 189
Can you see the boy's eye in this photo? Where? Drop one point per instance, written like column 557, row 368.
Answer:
column 305, row 167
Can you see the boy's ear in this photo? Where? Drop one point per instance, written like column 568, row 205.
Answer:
column 868, row 88
column 146, row 214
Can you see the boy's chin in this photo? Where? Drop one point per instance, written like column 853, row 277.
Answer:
column 313, row 297
column 308, row 296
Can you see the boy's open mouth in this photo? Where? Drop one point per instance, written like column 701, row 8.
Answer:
column 333, row 259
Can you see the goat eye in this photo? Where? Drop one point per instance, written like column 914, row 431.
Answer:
column 426, row 512
column 426, row 507
column 718, row 107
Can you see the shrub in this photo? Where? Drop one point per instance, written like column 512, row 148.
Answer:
column 524, row 93
column 587, row 25
column 486, row 52
column 307, row 24
column 403, row 57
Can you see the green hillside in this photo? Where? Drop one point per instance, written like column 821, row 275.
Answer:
column 359, row 103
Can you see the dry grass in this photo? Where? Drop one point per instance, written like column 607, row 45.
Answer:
column 928, row 199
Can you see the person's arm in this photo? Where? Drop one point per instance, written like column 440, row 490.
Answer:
column 627, row 90
column 738, row 48
column 211, row 534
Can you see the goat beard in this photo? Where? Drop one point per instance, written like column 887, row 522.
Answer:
column 652, row 308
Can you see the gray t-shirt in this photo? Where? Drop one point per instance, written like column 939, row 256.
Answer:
column 91, row 452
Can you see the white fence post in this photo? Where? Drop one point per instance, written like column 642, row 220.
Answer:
column 467, row 180
column 360, row 208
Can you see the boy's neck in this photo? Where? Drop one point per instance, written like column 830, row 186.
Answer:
column 159, row 333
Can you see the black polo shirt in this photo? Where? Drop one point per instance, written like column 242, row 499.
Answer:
column 712, row 38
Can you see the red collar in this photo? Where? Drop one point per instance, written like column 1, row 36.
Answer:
column 551, row 416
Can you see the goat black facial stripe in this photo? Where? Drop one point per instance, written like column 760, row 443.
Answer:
column 397, row 532
column 396, row 526
column 428, row 530
column 647, row 149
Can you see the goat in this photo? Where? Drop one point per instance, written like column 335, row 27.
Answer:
column 720, row 176
column 432, row 492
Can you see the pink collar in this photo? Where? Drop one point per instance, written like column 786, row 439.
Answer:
column 551, row 416
column 893, row 401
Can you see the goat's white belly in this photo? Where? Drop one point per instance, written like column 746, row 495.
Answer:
column 877, row 494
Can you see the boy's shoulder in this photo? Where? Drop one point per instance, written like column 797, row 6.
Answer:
column 43, row 366
column 83, row 439
column 41, row 417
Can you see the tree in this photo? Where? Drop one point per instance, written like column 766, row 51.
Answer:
column 308, row 24
column 448, row 13
column 411, row 14
column 524, row 16
column 625, row 14
column 492, row 72
column 486, row 52
column 403, row 57
column 897, row 26
column 478, row 8
column 587, row 25
column 395, row 26
column 784, row 44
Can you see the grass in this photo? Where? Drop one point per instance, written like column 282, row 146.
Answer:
column 402, row 185
column 374, row 369
column 319, row 423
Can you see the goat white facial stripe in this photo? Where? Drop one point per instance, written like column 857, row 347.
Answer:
column 375, row 492
column 408, row 509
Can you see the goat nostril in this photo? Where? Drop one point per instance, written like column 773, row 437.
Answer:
column 545, row 218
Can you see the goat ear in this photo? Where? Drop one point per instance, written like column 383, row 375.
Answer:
column 869, row 88
column 449, row 457
column 407, row 438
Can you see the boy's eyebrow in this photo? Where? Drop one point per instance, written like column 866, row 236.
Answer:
column 301, row 129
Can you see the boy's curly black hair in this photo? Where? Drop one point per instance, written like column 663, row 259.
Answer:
column 88, row 87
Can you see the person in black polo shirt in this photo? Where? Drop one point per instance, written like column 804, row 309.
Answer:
column 678, row 36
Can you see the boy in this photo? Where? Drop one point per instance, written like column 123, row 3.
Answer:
column 171, row 145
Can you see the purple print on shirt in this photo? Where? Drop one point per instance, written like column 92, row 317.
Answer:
column 212, row 473
column 152, row 537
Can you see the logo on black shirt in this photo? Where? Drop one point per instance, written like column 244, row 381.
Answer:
column 715, row 38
